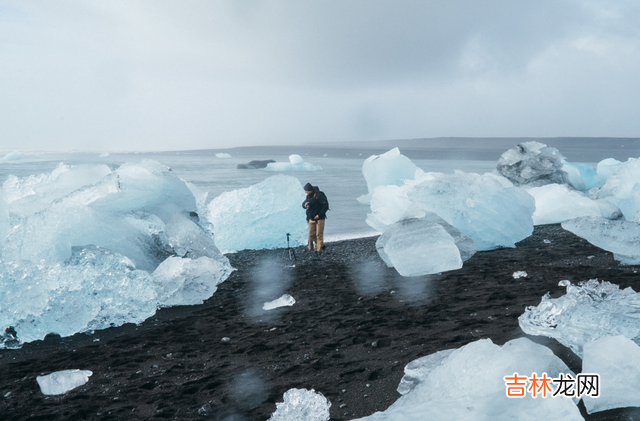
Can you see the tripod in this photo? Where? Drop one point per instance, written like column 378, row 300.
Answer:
column 289, row 253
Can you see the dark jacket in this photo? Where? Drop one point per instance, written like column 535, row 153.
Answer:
column 316, row 204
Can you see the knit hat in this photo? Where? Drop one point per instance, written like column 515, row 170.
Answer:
column 308, row 187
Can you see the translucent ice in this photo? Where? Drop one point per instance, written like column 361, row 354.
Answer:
column 533, row 164
column 468, row 384
column 285, row 301
column 302, row 404
column 422, row 246
column 608, row 167
column 61, row 382
column 79, row 245
column 623, row 188
column 184, row 281
column 259, row 216
column 622, row 238
column 296, row 163
column 94, row 289
column 480, row 206
column 486, row 208
column 556, row 203
column 390, row 168
column 617, row 360
column 588, row 311
column 582, row 176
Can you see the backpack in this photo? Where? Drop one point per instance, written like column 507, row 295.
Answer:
column 320, row 195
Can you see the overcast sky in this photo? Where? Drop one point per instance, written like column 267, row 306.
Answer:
column 157, row 75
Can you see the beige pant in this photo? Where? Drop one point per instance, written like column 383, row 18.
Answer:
column 316, row 230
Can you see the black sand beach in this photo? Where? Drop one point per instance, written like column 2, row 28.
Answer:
column 346, row 300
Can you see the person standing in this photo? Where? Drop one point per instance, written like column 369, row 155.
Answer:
column 317, row 205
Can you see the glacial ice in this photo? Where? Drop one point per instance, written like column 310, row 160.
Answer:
column 582, row 177
column 86, row 248
column 556, row 203
column 296, row 163
column 480, row 206
column 486, row 208
column 533, row 164
column 623, row 188
column 185, row 281
column 622, row 238
column 608, row 167
column 302, row 404
column 12, row 156
column 285, row 301
column 468, row 384
column 587, row 312
column 60, row 382
column 389, row 168
column 423, row 246
column 223, row 155
column 259, row 216
column 520, row 274
column 617, row 360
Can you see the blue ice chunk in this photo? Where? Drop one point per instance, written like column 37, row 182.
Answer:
column 259, row 216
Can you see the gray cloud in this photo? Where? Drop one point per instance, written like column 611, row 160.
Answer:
column 192, row 74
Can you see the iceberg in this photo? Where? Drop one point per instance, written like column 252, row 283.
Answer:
column 622, row 238
column 616, row 360
column 423, row 246
column 556, row 203
column 296, row 163
column 533, row 164
column 259, row 216
column 390, row 168
column 223, row 155
column 285, row 301
column 468, row 384
column 11, row 156
column 87, row 248
column 61, row 382
column 302, row 404
column 587, row 312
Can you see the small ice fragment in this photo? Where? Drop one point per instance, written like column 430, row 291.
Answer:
column 61, row 382
column 296, row 163
column 223, row 155
column 302, row 404
column 104, row 154
column 225, row 340
column 284, row 301
column 520, row 274
column 546, row 241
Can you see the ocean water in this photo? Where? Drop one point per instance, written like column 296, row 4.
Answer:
column 340, row 178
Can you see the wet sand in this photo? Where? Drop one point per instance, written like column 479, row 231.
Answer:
column 353, row 328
